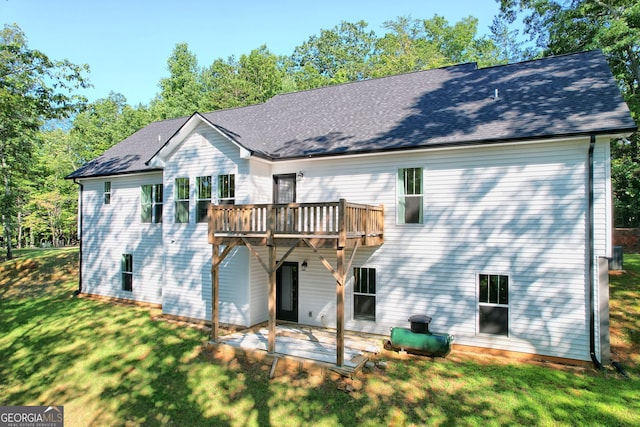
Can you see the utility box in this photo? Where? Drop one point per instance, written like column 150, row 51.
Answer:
column 616, row 260
column 420, row 324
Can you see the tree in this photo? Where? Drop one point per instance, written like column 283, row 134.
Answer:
column 33, row 88
column 102, row 124
column 253, row 78
column 183, row 91
column 261, row 70
column 405, row 48
column 412, row 45
column 459, row 43
column 510, row 47
column 613, row 26
column 625, row 173
column 335, row 56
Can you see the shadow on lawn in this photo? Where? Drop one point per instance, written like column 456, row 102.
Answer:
column 111, row 364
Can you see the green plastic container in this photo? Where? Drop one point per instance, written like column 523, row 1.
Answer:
column 429, row 344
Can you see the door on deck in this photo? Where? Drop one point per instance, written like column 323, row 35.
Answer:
column 284, row 188
column 284, row 192
column 287, row 292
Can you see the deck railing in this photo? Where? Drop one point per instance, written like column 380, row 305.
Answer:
column 341, row 220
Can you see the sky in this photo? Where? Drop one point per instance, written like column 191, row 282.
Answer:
column 127, row 43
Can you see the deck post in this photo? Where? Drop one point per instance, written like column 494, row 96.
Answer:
column 215, row 286
column 342, row 223
column 272, row 299
column 340, row 308
column 271, row 224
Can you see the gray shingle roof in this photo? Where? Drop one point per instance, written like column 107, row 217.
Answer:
column 557, row 96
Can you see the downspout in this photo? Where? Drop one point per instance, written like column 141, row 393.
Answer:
column 590, row 225
column 80, row 237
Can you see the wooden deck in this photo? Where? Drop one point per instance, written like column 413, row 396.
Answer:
column 335, row 224
column 339, row 225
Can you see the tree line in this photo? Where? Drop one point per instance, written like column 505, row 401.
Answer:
column 47, row 130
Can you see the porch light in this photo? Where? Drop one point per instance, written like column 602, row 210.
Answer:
column 300, row 174
column 304, row 265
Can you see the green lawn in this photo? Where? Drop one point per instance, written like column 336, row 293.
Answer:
column 112, row 364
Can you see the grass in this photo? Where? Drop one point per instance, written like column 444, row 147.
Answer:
column 113, row 364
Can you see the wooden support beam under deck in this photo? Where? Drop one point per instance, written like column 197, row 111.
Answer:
column 272, row 299
column 215, row 287
column 340, row 309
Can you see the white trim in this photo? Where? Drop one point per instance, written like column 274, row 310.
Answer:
column 461, row 146
column 121, row 175
column 159, row 159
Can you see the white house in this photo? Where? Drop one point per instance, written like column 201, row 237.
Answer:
column 479, row 197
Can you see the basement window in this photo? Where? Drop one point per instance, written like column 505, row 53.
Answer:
column 493, row 304
column 127, row 272
column 364, row 294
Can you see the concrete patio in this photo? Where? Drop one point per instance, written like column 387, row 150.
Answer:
column 308, row 345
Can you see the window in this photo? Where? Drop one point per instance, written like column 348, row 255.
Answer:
column 410, row 196
column 493, row 304
column 127, row 272
column 151, row 209
column 182, row 200
column 203, row 197
column 226, row 189
column 364, row 293
column 107, row 192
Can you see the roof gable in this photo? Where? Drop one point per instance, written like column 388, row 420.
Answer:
column 175, row 141
column 551, row 97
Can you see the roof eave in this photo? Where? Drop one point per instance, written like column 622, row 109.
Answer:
column 105, row 175
column 612, row 133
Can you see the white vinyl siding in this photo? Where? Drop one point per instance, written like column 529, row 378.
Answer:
column 107, row 234
column 518, row 208
column 187, row 270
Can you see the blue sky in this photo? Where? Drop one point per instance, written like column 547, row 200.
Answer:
column 127, row 43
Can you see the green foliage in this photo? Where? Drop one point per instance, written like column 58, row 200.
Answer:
column 181, row 92
column 560, row 27
column 147, row 371
column 103, row 124
column 33, row 89
column 335, row 56
column 252, row 79
column 625, row 178
column 45, row 207
column 405, row 48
